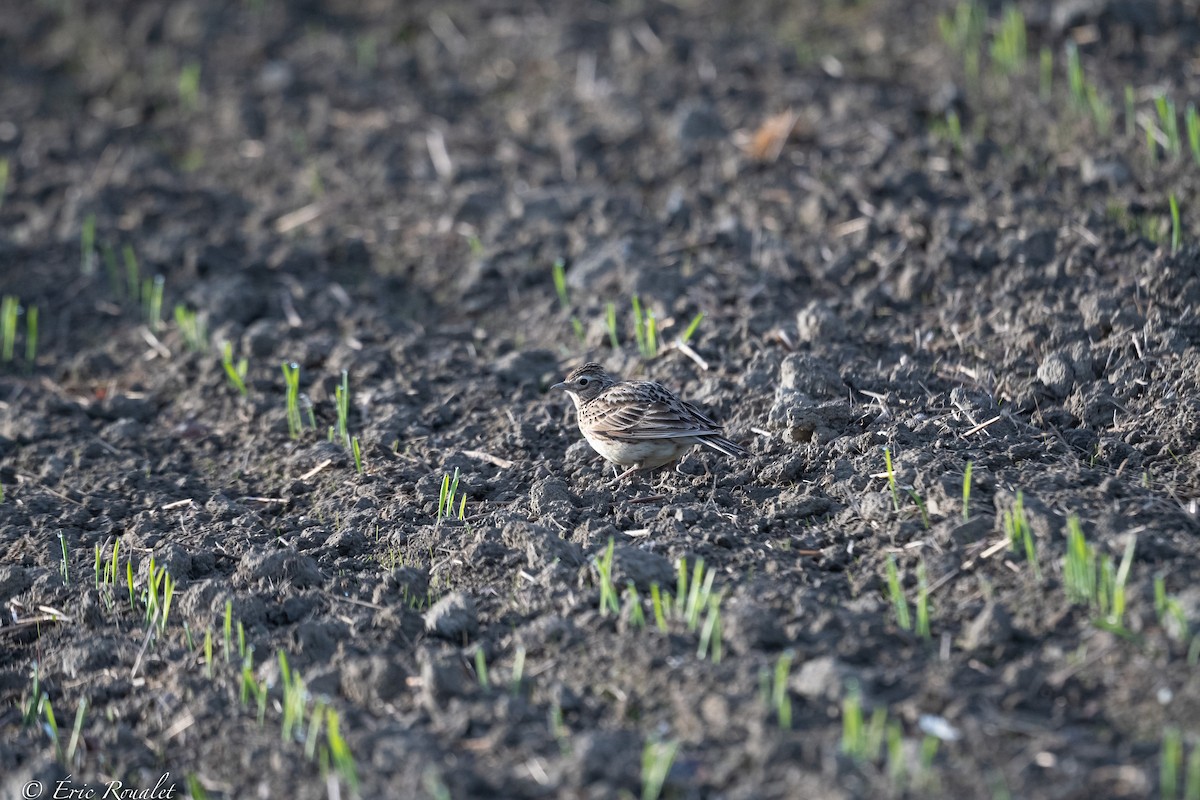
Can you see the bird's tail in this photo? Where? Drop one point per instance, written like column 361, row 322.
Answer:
column 723, row 445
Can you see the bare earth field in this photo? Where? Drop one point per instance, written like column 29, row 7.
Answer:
column 946, row 261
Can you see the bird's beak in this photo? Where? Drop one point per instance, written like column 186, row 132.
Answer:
column 559, row 386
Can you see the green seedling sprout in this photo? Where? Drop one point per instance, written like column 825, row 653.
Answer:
column 891, row 478
column 1168, row 121
column 3, row 179
column 560, row 284
column 1151, row 144
column 692, row 327
column 65, row 563
column 853, row 729
column 966, row 491
column 87, row 245
column 189, row 85
column 1192, row 123
column 660, row 618
column 236, row 373
column 356, row 449
column 152, row 297
column 447, row 496
column 896, row 593
column 1075, row 79
column 52, row 726
column 191, row 327
column 9, row 310
column 1171, row 759
column 645, row 329
column 781, row 701
column 340, row 751
column 1102, row 112
column 228, row 631
column 481, row 669
column 922, row 601
column 1020, row 534
column 208, row 650
column 243, row 652
column 1045, row 73
column 129, row 583
column 76, row 730
column 1176, row 234
column 342, row 401
column 608, row 592
column 610, row 322
column 291, row 375
column 96, row 562
column 657, row 758
column 1009, row 45
column 633, row 602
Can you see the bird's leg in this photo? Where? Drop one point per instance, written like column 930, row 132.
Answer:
column 625, row 474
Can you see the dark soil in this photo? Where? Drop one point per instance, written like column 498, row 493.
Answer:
column 380, row 190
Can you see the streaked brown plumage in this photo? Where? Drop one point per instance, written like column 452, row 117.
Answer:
column 641, row 425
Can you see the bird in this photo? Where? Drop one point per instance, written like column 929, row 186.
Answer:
column 640, row 425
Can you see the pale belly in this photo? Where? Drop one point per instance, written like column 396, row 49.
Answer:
column 647, row 454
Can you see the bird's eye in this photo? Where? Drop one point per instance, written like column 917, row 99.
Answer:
column 583, row 381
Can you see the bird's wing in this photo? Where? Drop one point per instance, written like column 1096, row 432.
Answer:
column 640, row 410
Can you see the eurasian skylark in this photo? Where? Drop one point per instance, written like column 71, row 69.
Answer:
column 641, row 425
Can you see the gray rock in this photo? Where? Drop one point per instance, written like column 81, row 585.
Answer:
column 1057, row 374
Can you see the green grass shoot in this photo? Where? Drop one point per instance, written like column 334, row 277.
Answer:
column 236, row 373
column 189, row 85
column 1176, row 234
column 447, row 497
column 3, row 179
column 657, row 758
column 339, row 751
column 342, row 401
column 691, row 328
column 1009, row 49
column 64, row 566
column 645, row 329
column 9, row 310
column 1075, row 79
column 152, row 297
column 560, row 284
column 291, row 375
column 608, row 592
column 922, row 601
column 896, row 594
column 1095, row 580
column 1192, row 123
column 891, row 478
column 227, row 631
column 1020, row 534
column 192, row 328
column 481, row 669
column 633, row 602
column 356, row 449
column 87, row 245
column 1168, row 121
column 966, row 491
column 781, row 701
column 610, row 322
